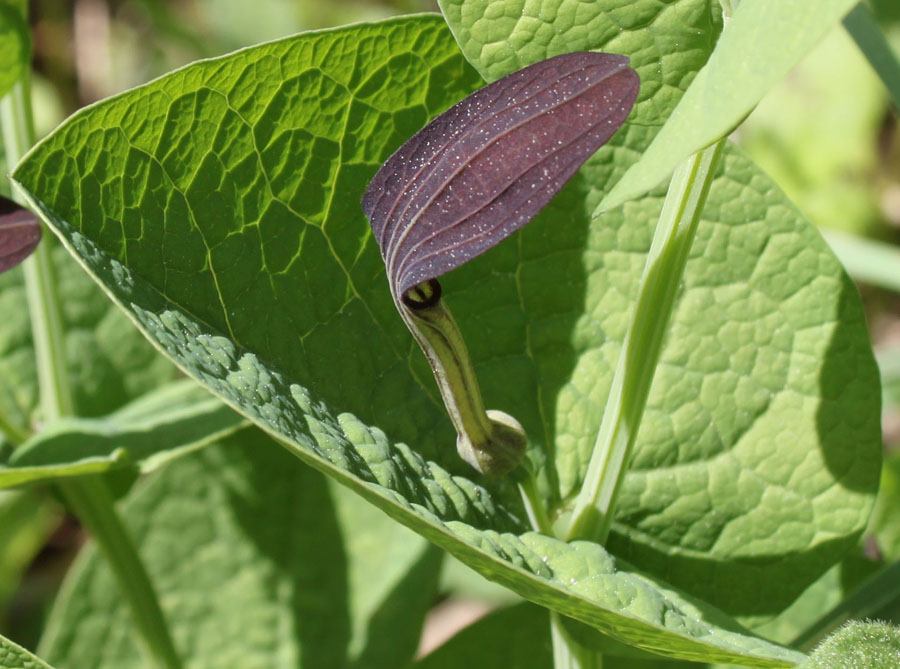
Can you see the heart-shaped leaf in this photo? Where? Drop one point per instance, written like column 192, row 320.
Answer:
column 711, row 426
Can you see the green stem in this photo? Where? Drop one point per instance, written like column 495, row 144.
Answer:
column 18, row 126
column 492, row 442
column 533, row 502
column 89, row 497
column 568, row 653
column 48, row 333
column 688, row 189
column 864, row 30
column 866, row 260
column 90, row 500
column 864, row 602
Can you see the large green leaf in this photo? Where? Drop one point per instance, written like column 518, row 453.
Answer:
column 167, row 423
column 219, row 207
column 778, row 451
column 15, row 44
column 667, row 42
column 258, row 563
column 13, row 656
column 763, row 42
column 728, row 381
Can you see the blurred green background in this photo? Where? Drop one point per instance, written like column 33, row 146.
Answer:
column 827, row 134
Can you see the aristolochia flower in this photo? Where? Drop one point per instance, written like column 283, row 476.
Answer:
column 465, row 182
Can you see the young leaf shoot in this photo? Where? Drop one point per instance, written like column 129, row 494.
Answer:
column 468, row 180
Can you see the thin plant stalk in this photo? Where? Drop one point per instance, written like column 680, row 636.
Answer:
column 866, row 260
column 493, row 442
column 89, row 497
column 863, row 603
column 864, row 30
column 532, row 500
column 48, row 333
column 568, row 653
column 688, row 190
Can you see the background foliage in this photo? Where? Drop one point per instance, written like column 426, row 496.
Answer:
column 813, row 163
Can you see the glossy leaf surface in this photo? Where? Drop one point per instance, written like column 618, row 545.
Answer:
column 488, row 165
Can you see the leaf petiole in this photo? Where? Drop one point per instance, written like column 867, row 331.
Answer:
column 864, row 30
column 493, row 442
column 688, row 189
column 567, row 652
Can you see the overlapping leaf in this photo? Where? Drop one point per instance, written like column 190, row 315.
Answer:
column 13, row 656
column 157, row 427
column 732, row 83
column 725, row 389
column 258, row 563
column 218, row 206
column 109, row 362
column 667, row 43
